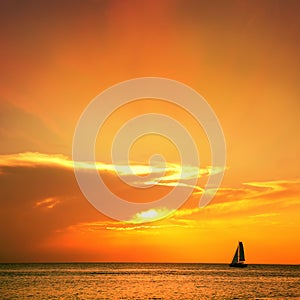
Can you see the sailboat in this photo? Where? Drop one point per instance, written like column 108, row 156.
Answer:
column 239, row 257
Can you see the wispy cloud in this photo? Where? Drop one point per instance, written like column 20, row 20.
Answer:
column 47, row 203
column 121, row 226
column 252, row 208
column 161, row 175
column 142, row 227
column 32, row 159
column 266, row 215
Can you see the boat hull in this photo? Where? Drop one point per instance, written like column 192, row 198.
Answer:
column 238, row 265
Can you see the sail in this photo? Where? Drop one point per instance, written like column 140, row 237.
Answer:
column 242, row 253
column 236, row 256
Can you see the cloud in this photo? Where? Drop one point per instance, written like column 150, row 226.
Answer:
column 266, row 215
column 37, row 199
column 123, row 226
column 48, row 203
column 266, row 198
column 151, row 215
column 170, row 173
column 40, row 200
column 253, row 205
column 40, row 197
column 33, row 159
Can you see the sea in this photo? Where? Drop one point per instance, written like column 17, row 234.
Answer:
column 147, row 281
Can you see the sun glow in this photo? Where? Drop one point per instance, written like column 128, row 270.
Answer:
column 151, row 215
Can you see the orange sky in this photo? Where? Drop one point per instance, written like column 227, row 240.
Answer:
column 242, row 56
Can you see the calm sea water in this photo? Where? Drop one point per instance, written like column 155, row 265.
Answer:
column 148, row 281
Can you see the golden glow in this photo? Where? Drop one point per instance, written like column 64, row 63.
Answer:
column 243, row 58
column 151, row 215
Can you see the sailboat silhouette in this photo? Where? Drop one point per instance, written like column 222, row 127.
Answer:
column 239, row 257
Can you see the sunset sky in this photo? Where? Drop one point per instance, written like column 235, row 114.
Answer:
column 241, row 56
